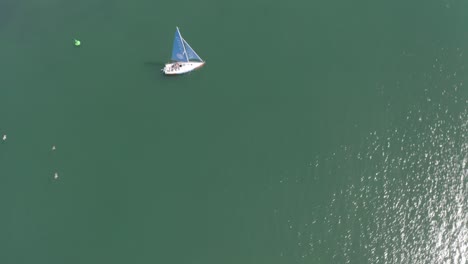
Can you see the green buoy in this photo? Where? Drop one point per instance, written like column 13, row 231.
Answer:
column 77, row 43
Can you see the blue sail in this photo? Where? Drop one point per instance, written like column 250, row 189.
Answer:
column 178, row 50
column 191, row 54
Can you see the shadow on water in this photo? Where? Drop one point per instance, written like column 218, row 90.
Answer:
column 154, row 64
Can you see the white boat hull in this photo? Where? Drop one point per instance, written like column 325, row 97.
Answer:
column 181, row 67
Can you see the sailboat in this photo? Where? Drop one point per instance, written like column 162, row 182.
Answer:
column 184, row 59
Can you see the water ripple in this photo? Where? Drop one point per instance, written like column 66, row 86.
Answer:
column 404, row 198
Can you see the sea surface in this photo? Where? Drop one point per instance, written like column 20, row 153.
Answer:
column 317, row 132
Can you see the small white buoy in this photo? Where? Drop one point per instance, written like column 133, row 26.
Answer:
column 4, row 137
column 56, row 176
column 53, row 147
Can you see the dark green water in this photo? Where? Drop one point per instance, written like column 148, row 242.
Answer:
column 317, row 132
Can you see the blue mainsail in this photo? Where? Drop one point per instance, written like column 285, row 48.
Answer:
column 178, row 50
column 181, row 50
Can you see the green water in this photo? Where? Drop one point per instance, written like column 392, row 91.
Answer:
column 317, row 132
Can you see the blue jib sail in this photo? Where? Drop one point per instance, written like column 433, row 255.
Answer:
column 178, row 51
column 191, row 54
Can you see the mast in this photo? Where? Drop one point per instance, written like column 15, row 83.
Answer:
column 185, row 52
